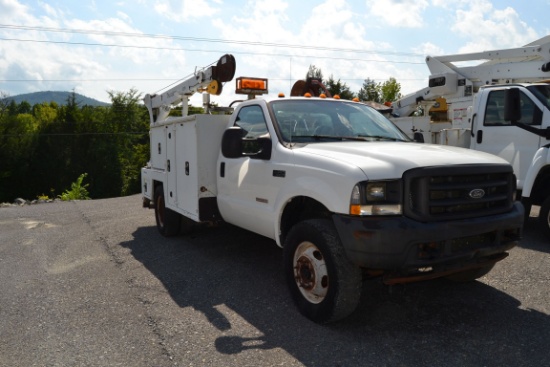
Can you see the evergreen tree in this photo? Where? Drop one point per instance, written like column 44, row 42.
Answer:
column 337, row 87
column 314, row 72
column 370, row 91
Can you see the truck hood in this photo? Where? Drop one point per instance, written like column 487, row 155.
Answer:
column 383, row 160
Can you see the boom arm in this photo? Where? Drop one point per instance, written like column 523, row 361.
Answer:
column 529, row 63
column 208, row 79
column 515, row 65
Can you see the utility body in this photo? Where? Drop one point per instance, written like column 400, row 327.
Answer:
column 335, row 184
column 465, row 106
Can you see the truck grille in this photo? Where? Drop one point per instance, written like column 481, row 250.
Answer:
column 458, row 192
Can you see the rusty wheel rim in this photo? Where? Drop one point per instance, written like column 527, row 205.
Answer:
column 310, row 272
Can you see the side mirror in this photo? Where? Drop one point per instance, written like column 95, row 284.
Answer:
column 234, row 146
column 418, row 137
column 512, row 105
column 232, row 142
column 264, row 153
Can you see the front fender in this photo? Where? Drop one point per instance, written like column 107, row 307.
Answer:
column 333, row 197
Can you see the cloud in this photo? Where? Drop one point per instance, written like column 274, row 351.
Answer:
column 489, row 28
column 399, row 13
column 320, row 36
column 185, row 10
column 428, row 48
column 124, row 16
column 118, row 31
column 63, row 61
column 12, row 9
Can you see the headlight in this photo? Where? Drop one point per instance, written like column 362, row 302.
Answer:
column 376, row 198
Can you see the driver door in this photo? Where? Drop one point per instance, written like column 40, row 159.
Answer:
column 496, row 136
column 246, row 187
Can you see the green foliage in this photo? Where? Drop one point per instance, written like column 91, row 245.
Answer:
column 339, row 88
column 43, row 197
column 370, row 91
column 45, row 113
column 44, row 148
column 78, row 191
column 388, row 91
column 192, row 110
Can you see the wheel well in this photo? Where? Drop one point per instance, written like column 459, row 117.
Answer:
column 541, row 188
column 155, row 185
column 298, row 209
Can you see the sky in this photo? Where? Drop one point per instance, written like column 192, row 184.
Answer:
column 96, row 47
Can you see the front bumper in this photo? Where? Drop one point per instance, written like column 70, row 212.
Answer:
column 404, row 245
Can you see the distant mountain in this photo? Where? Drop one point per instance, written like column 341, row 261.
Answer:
column 58, row 97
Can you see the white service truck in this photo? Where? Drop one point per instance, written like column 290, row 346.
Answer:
column 464, row 106
column 334, row 183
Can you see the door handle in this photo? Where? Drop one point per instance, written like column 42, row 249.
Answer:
column 479, row 138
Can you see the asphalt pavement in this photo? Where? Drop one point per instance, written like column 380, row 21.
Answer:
column 92, row 283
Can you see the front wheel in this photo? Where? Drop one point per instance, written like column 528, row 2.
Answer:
column 544, row 217
column 324, row 284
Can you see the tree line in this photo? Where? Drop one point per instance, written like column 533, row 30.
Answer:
column 46, row 147
column 387, row 91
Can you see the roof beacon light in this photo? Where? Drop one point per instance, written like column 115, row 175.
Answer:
column 251, row 86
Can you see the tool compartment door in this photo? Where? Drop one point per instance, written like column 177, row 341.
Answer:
column 196, row 153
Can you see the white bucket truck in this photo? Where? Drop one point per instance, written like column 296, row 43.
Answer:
column 464, row 106
column 335, row 184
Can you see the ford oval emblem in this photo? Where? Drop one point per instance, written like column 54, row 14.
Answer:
column 477, row 193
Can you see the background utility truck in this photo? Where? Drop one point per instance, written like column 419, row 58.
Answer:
column 334, row 183
column 464, row 106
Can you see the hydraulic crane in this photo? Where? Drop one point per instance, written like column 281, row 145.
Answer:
column 208, row 79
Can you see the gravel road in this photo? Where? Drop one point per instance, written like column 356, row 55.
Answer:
column 92, row 283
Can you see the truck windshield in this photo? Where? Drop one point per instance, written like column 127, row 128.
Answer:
column 542, row 92
column 311, row 120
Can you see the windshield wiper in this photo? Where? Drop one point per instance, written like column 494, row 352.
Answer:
column 380, row 137
column 343, row 138
column 319, row 137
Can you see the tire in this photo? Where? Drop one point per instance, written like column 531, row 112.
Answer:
column 470, row 275
column 323, row 283
column 544, row 217
column 168, row 221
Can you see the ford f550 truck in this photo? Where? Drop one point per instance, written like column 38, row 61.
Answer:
column 344, row 192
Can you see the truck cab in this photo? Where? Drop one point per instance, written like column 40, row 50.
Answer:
column 524, row 141
column 493, row 134
column 323, row 175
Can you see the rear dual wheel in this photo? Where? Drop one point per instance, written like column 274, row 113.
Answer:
column 168, row 221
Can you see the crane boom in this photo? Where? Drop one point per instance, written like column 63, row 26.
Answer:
column 208, row 79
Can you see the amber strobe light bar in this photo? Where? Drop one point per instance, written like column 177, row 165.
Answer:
column 251, row 86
